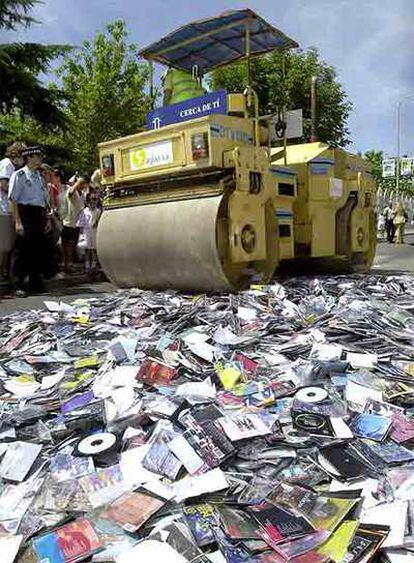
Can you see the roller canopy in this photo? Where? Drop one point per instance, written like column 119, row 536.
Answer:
column 214, row 42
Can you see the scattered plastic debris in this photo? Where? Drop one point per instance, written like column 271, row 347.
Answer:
column 274, row 425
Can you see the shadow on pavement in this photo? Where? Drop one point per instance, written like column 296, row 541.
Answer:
column 385, row 272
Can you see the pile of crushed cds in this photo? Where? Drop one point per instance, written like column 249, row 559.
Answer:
column 269, row 426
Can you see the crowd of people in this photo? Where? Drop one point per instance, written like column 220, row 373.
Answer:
column 47, row 224
column 392, row 221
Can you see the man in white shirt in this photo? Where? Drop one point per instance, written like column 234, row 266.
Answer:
column 13, row 161
column 70, row 232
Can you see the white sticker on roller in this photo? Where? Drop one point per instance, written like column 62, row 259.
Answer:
column 336, row 187
column 155, row 154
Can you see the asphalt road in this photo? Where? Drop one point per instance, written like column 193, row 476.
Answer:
column 390, row 258
column 396, row 257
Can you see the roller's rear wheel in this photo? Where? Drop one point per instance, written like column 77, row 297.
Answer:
column 360, row 262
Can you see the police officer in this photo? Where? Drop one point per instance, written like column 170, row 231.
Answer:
column 30, row 202
column 179, row 86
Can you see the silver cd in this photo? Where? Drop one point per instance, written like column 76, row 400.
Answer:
column 311, row 395
column 97, row 443
column 292, row 435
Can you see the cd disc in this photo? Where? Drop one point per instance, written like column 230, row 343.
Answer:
column 313, row 423
column 309, row 421
column 311, row 395
column 292, row 436
column 96, row 444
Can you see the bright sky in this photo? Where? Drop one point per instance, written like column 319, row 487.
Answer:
column 370, row 43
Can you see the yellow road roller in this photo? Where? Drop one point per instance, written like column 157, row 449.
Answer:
column 200, row 201
column 334, row 213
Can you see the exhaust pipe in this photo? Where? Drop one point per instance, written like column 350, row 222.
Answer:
column 314, row 136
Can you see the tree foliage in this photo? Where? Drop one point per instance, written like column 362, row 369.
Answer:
column 20, row 66
column 290, row 87
column 375, row 159
column 14, row 13
column 54, row 141
column 387, row 185
column 105, row 87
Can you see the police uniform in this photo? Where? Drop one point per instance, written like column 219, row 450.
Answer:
column 28, row 190
column 182, row 86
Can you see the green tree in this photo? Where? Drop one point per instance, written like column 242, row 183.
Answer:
column 54, row 140
column 16, row 12
column 290, row 86
column 375, row 159
column 20, row 66
column 105, row 87
column 387, row 185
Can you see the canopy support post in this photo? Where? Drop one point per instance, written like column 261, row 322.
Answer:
column 151, row 76
column 248, row 53
column 284, row 107
column 249, row 90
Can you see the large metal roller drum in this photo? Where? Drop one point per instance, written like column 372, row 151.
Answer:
column 171, row 244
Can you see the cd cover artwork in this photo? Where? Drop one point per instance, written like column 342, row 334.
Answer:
column 132, row 510
column 208, row 440
column 159, row 458
column 280, row 523
column 248, row 365
column 179, row 537
column 371, row 426
column 390, row 452
column 366, row 542
column 103, row 486
column 321, row 512
column 380, row 407
column 200, row 518
column 241, row 426
column 238, row 524
column 18, row 459
column 73, row 542
column 153, row 373
column 402, row 428
column 66, row 466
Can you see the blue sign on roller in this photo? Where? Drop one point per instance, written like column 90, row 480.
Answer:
column 213, row 102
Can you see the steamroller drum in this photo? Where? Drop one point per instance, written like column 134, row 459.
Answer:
column 173, row 244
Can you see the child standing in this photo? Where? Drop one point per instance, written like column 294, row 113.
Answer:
column 88, row 223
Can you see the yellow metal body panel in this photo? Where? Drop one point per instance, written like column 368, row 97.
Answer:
column 168, row 152
column 158, row 171
column 285, row 188
column 135, row 155
column 247, row 208
column 236, row 103
column 328, row 180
